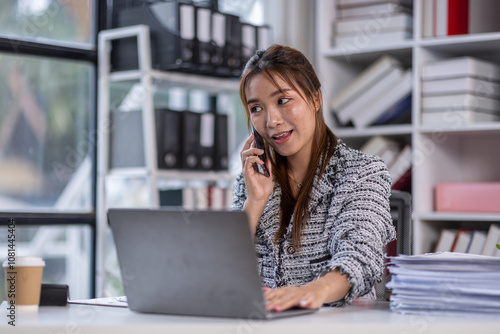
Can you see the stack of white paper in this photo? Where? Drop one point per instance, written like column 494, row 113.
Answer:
column 445, row 283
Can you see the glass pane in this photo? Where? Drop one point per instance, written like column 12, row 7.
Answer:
column 66, row 251
column 44, row 134
column 49, row 21
column 248, row 10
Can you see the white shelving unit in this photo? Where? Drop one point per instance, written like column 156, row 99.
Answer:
column 151, row 177
column 456, row 153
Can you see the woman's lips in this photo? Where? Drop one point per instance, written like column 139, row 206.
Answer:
column 282, row 137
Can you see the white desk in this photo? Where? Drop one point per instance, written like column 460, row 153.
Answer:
column 361, row 317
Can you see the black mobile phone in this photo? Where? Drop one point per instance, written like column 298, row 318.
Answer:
column 259, row 143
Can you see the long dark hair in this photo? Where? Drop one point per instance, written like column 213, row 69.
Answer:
column 295, row 69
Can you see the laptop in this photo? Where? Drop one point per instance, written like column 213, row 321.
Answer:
column 182, row 262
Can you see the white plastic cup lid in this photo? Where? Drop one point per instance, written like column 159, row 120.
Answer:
column 25, row 261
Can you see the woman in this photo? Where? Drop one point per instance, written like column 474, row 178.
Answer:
column 321, row 220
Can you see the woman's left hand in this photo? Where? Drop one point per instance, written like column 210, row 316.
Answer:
column 330, row 288
column 280, row 299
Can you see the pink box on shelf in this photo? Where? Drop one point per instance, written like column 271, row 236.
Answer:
column 468, row 197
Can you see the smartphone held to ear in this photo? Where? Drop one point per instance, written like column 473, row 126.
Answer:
column 259, row 143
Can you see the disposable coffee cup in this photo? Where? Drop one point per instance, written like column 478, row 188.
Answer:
column 23, row 282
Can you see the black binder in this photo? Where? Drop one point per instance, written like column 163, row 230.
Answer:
column 248, row 40
column 187, row 31
column 220, row 105
column 204, row 45
column 168, row 50
column 169, row 143
column 221, row 142
column 201, row 103
column 190, row 140
column 207, row 140
column 233, row 59
column 263, row 37
column 218, row 40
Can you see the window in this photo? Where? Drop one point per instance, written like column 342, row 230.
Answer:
column 44, row 134
column 47, row 140
column 62, row 22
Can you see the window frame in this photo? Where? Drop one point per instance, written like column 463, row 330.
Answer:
column 58, row 50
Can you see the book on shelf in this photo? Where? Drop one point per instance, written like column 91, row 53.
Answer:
column 370, row 37
column 386, row 100
column 461, row 85
column 355, row 3
column 462, row 240
column 427, row 18
column 197, row 197
column 366, row 98
column 386, row 23
column 367, row 78
column 374, row 9
column 446, row 239
column 492, row 239
column 399, row 113
column 456, row 17
column 464, row 101
column 451, row 17
column 403, row 183
column 477, row 242
column 467, row 197
column 456, row 118
column 402, row 163
column 483, row 16
column 382, row 147
column 216, row 198
column 460, row 67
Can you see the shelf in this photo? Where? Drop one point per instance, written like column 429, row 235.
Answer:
column 196, row 175
column 179, row 79
column 471, row 128
column 459, row 216
column 384, row 130
column 478, row 42
column 369, row 53
column 181, row 175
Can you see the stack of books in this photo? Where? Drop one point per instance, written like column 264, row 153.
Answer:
column 396, row 157
column 381, row 94
column 456, row 17
column 459, row 91
column 445, row 283
column 375, row 22
column 472, row 241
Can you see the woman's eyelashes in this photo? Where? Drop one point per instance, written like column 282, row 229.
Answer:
column 255, row 109
column 283, row 100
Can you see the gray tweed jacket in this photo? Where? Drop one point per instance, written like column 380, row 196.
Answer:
column 348, row 226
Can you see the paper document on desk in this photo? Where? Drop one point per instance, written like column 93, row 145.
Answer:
column 445, row 283
column 120, row 301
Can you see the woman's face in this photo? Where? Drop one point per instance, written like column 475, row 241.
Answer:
column 284, row 119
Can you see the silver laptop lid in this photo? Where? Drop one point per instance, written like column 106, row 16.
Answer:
column 187, row 262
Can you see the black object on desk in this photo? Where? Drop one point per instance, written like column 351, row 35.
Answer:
column 54, row 295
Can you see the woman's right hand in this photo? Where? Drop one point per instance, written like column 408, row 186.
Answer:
column 258, row 186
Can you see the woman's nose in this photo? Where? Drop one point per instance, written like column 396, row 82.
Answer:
column 273, row 117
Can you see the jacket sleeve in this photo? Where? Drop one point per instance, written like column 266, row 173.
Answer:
column 361, row 230
column 239, row 194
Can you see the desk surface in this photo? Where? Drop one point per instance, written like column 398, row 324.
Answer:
column 360, row 317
